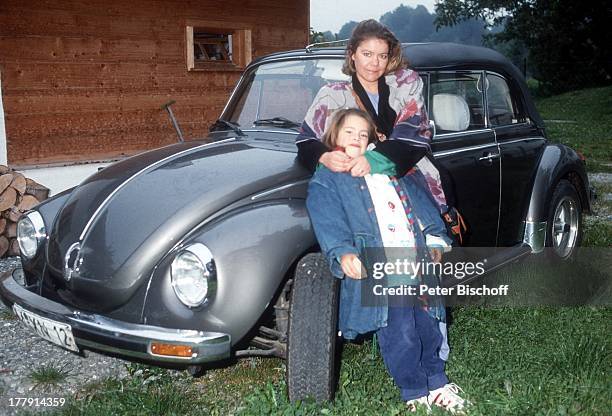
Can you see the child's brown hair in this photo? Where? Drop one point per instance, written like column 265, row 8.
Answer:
column 338, row 118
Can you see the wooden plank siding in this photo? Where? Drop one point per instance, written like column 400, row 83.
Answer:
column 85, row 79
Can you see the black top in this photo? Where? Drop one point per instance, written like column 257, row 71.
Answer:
column 447, row 56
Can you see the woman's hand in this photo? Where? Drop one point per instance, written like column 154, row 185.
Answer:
column 336, row 161
column 351, row 266
column 359, row 166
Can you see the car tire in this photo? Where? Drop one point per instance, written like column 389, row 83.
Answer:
column 312, row 331
column 564, row 225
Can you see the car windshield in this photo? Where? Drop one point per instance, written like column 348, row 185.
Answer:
column 278, row 94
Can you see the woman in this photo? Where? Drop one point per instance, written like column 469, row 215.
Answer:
column 391, row 95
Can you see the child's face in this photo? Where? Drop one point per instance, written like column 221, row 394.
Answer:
column 353, row 136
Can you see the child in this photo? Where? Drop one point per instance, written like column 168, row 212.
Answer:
column 350, row 214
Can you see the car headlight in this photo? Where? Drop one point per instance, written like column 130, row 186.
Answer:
column 31, row 233
column 192, row 272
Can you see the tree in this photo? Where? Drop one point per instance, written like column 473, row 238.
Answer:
column 409, row 24
column 346, row 30
column 567, row 42
column 316, row 37
column 468, row 32
column 418, row 25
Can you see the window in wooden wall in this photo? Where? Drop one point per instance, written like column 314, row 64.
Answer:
column 215, row 48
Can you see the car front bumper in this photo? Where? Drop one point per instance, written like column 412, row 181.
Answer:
column 100, row 333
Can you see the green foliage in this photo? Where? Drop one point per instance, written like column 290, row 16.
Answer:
column 148, row 391
column 49, row 375
column 346, row 30
column 417, row 25
column 317, row 37
column 567, row 42
column 582, row 120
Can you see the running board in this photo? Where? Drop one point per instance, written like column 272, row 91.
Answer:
column 496, row 261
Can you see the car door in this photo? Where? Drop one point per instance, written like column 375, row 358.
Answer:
column 465, row 145
column 521, row 144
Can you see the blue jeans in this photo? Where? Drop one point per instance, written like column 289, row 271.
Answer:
column 410, row 345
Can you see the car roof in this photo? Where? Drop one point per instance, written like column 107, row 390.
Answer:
column 419, row 55
column 435, row 55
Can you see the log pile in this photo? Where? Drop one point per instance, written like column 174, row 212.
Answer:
column 18, row 194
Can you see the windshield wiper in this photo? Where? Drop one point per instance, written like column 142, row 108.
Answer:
column 281, row 122
column 221, row 124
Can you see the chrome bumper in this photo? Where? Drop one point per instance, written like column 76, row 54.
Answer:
column 99, row 333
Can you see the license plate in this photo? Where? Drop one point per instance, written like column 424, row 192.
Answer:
column 53, row 331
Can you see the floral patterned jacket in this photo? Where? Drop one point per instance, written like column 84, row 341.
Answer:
column 411, row 125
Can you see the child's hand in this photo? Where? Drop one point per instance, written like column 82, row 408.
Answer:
column 436, row 254
column 351, row 266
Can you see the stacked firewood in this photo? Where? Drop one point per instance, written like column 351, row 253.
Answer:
column 18, row 194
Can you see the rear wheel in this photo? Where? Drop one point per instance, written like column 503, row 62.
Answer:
column 312, row 338
column 564, row 228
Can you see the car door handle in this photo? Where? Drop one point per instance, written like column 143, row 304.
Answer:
column 488, row 157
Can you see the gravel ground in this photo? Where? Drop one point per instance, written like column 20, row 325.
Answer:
column 603, row 184
column 22, row 352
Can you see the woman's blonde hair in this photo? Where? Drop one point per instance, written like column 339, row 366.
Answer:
column 369, row 29
column 338, row 118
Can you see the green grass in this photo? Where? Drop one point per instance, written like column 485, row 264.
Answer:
column 150, row 392
column 49, row 375
column 584, row 122
column 599, row 233
column 509, row 360
column 7, row 315
column 598, row 228
column 544, row 361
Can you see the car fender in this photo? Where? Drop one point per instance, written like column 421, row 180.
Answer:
column 253, row 247
column 48, row 210
column 556, row 162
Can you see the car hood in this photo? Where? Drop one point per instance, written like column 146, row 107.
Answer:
column 116, row 226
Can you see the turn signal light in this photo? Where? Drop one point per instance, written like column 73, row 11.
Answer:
column 172, row 350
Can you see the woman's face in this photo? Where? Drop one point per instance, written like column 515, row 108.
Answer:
column 353, row 135
column 371, row 59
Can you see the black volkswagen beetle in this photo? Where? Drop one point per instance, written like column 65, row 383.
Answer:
column 225, row 263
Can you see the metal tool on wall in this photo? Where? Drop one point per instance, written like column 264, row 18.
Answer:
column 167, row 107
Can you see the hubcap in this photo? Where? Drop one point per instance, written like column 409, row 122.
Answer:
column 565, row 227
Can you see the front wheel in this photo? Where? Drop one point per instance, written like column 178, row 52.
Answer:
column 564, row 228
column 312, row 337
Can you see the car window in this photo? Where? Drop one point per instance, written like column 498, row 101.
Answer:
column 456, row 101
column 502, row 109
column 284, row 89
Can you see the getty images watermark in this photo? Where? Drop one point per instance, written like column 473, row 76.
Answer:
column 471, row 276
column 401, row 270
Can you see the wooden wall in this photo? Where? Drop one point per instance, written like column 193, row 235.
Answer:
column 85, row 79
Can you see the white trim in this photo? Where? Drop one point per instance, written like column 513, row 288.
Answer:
column 464, row 149
column 3, row 155
column 280, row 188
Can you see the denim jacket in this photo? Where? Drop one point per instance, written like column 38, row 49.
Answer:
column 344, row 221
